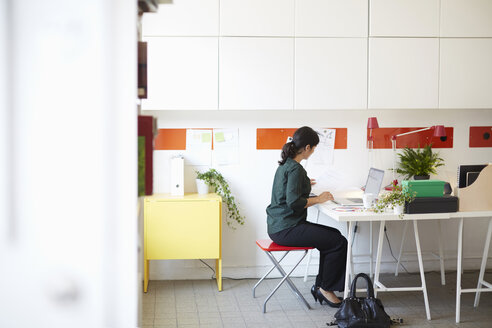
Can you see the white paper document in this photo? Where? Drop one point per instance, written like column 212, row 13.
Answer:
column 226, row 146
column 198, row 147
column 324, row 152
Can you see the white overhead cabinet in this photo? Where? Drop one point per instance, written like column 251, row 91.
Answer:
column 403, row 73
column 331, row 73
column 183, row 18
column 256, row 73
column 331, row 18
column 413, row 18
column 466, row 73
column 182, row 73
column 257, row 18
column 466, row 18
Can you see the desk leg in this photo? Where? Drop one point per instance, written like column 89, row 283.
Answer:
column 146, row 275
column 441, row 252
column 458, row 269
column 484, row 263
column 370, row 250
column 349, row 260
column 421, row 267
column 401, row 248
column 218, row 273
column 378, row 256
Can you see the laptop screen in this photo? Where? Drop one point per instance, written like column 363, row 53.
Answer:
column 374, row 181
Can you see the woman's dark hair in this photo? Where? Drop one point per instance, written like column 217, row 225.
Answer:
column 302, row 137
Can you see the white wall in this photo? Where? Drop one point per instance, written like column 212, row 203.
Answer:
column 393, row 58
column 251, row 180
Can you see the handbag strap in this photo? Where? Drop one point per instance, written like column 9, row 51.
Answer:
column 353, row 287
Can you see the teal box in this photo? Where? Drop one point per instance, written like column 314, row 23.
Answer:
column 425, row 188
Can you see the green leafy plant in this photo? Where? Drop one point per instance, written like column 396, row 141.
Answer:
column 420, row 162
column 396, row 197
column 214, row 179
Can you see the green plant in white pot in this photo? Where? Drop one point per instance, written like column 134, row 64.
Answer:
column 395, row 200
column 214, row 179
column 418, row 163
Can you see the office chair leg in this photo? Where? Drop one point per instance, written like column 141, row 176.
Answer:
column 401, row 248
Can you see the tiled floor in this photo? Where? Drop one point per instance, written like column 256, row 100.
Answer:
column 197, row 303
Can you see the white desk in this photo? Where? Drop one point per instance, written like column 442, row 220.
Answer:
column 351, row 217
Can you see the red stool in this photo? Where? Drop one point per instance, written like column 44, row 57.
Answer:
column 269, row 247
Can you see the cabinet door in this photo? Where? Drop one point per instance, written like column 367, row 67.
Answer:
column 331, row 18
column 182, row 73
column 257, row 17
column 418, row 18
column 183, row 230
column 403, row 73
column 466, row 18
column 331, row 73
column 256, row 73
column 465, row 73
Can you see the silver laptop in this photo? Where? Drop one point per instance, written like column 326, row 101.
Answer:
column 373, row 185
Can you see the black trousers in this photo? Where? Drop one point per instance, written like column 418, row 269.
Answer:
column 332, row 247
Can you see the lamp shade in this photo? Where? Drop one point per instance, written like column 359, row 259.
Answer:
column 439, row 131
column 372, row 123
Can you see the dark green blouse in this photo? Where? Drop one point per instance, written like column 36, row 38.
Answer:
column 291, row 188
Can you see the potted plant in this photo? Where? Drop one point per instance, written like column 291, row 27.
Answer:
column 418, row 163
column 395, row 200
column 214, row 179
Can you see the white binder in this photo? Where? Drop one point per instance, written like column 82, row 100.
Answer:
column 177, row 176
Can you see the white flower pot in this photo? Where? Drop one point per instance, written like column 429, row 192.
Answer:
column 398, row 209
column 201, row 187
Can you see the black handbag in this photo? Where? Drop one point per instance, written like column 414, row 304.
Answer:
column 362, row 311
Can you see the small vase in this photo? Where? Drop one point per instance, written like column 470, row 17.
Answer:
column 398, row 209
column 421, row 177
column 201, row 187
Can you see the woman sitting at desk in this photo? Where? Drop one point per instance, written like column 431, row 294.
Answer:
column 287, row 213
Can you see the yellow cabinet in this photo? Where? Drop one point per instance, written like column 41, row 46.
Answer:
column 183, row 227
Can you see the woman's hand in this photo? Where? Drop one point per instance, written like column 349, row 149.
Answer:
column 325, row 196
column 313, row 182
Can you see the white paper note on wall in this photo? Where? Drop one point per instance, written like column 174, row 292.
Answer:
column 324, row 152
column 198, row 147
column 226, row 146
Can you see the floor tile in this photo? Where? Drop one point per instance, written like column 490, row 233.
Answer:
column 186, row 304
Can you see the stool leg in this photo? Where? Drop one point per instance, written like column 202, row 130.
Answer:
column 484, row 263
column 285, row 277
column 266, row 274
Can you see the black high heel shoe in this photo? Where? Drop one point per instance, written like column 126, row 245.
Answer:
column 322, row 299
column 314, row 291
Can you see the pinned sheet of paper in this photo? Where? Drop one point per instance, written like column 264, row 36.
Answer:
column 226, row 146
column 198, row 147
column 324, row 153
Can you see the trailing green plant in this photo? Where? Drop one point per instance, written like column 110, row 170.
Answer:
column 396, row 197
column 420, row 161
column 214, row 179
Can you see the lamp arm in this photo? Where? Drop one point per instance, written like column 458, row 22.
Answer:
column 403, row 134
